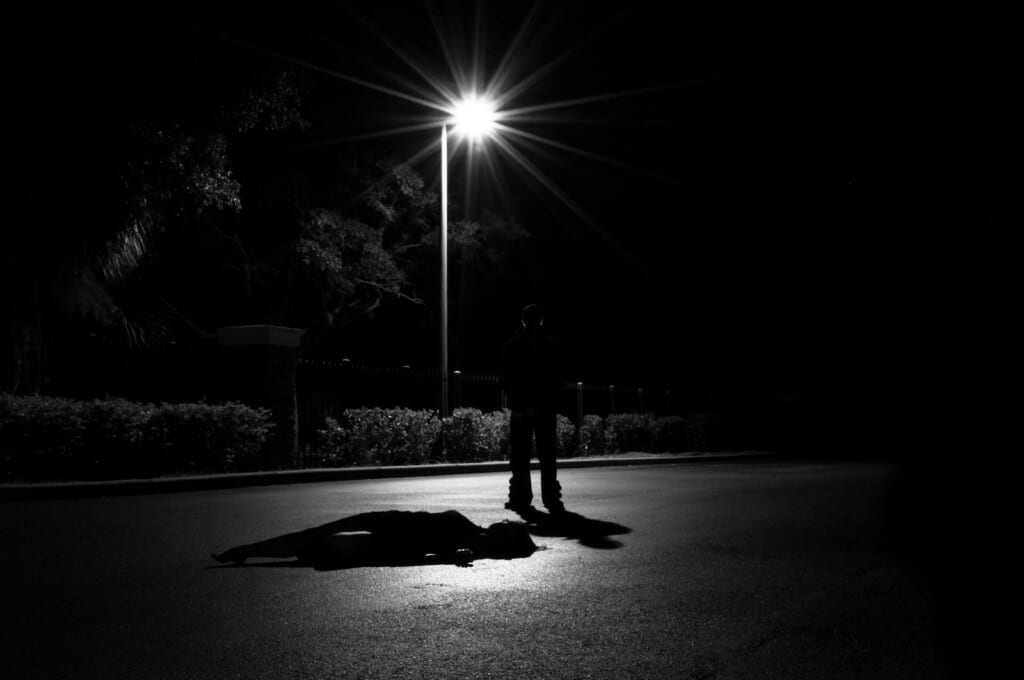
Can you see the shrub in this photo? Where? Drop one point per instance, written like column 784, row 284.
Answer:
column 628, row 432
column 462, row 435
column 592, row 436
column 43, row 424
column 471, row 435
column 56, row 438
column 669, row 434
column 333, row 444
column 378, row 436
column 565, row 437
column 704, row 432
column 39, row 435
column 400, row 436
column 112, row 438
column 494, row 434
column 207, row 437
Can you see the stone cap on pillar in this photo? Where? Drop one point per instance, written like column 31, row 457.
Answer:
column 275, row 336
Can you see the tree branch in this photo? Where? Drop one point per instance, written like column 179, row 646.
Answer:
column 400, row 295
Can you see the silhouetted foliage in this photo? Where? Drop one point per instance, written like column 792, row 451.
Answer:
column 629, row 431
column 669, row 434
column 377, row 436
column 472, row 435
column 190, row 195
column 55, row 438
column 592, row 436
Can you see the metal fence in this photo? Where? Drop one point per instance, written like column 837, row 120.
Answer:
column 323, row 388
column 87, row 370
column 326, row 388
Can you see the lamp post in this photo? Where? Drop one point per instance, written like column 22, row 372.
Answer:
column 444, row 271
column 472, row 117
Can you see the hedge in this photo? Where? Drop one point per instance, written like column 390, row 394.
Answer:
column 628, row 432
column 378, row 436
column 471, row 435
column 49, row 438
column 53, row 438
column 593, row 441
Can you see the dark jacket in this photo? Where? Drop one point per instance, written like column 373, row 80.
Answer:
column 400, row 536
column 423, row 533
column 532, row 370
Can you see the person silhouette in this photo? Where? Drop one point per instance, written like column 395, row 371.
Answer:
column 392, row 537
column 531, row 376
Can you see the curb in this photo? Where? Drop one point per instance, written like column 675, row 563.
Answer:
column 128, row 487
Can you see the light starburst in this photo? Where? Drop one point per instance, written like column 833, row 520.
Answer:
column 477, row 107
column 474, row 117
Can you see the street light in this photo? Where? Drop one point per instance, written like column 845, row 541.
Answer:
column 472, row 117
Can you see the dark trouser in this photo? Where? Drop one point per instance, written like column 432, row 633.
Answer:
column 293, row 544
column 524, row 424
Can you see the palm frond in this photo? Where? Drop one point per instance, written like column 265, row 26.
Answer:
column 124, row 251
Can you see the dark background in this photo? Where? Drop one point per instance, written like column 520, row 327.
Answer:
column 794, row 206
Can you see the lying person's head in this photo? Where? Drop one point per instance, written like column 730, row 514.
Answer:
column 506, row 540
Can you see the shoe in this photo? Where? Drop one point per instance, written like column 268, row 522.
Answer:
column 464, row 557
column 228, row 556
column 557, row 508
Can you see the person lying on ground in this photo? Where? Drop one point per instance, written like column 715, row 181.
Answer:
column 393, row 537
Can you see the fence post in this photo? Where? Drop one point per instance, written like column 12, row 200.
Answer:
column 579, row 406
column 258, row 366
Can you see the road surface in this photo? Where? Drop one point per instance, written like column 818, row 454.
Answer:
column 716, row 570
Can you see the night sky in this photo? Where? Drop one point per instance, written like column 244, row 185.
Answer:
column 785, row 204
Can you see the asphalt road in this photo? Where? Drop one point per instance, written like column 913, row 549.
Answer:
column 718, row 570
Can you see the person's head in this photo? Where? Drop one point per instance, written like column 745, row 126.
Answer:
column 507, row 539
column 532, row 317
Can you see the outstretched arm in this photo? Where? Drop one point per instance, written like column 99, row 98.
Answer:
column 288, row 545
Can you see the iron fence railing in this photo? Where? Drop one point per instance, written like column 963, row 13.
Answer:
column 324, row 388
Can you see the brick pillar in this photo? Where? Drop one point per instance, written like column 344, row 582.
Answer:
column 257, row 366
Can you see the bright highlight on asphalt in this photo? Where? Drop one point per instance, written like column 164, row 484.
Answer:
column 474, row 117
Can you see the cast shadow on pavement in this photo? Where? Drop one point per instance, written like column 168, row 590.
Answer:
column 389, row 538
column 402, row 538
column 593, row 533
column 334, row 565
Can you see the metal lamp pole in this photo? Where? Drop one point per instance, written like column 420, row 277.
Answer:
column 444, row 271
column 473, row 117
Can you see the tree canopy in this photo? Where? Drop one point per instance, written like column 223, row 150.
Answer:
column 182, row 189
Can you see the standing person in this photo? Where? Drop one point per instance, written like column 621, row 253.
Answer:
column 531, row 375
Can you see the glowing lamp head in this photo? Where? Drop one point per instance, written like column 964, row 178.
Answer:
column 474, row 117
